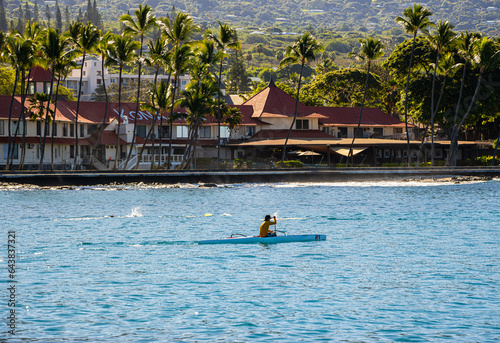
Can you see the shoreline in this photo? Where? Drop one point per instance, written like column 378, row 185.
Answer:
column 214, row 177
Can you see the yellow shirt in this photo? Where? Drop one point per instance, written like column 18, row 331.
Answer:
column 264, row 227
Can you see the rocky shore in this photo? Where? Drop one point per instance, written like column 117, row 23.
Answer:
column 211, row 178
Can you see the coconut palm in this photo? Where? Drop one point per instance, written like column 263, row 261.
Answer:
column 17, row 53
column 53, row 47
column 84, row 40
column 121, row 51
column 144, row 21
column 102, row 49
column 177, row 30
column 414, row 19
column 485, row 56
column 371, row 50
column 224, row 41
column 158, row 58
column 198, row 100
column 62, row 68
column 440, row 41
column 303, row 50
column 160, row 100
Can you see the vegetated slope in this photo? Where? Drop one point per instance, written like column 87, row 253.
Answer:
column 290, row 15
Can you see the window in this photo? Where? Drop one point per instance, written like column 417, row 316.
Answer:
column 250, row 130
column 38, row 128
column 98, row 73
column 95, row 64
column 224, row 132
column 46, row 86
column 302, row 124
column 65, row 130
column 72, row 130
column 54, row 128
column 2, row 129
column 71, row 151
column 398, row 130
column 98, row 81
column 205, row 132
column 112, row 80
column 15, row 152
column 91, row 128
column 163, row 131
column 182, row 131
column 84, row 72
column 19, row 127
column 82, row 130
column 342, row 132
column 141, row 131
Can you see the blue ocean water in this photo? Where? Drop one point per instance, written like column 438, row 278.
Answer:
column 403, row 262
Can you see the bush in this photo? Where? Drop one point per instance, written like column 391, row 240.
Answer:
column 290, row 164
column 240, row 163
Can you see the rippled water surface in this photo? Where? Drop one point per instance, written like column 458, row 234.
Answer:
column 403, row 262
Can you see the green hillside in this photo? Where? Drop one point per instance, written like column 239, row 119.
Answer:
column 290, row 15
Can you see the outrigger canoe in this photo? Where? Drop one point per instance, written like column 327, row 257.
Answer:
column 265, row 240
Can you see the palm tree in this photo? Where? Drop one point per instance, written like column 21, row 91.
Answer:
column 414, row 19
column 177, row 31
column 160, row 99
column 303, row 50
column 144, row 21
column 371, row 50
column 158, row 58
column 63, row 67
column 121, row 51
column 102, row 49
column 486, row 56
column 18, row 52
column 225, row 40
column 84, row 40
column 53, row 48
column 440, row 41
column 198, row 100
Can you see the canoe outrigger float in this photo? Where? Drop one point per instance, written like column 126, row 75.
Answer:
column 242, row 239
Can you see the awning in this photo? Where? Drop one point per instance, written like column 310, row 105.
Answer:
column 345, row 151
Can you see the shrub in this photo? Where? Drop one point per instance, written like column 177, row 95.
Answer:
column 240, row 163
column 290, row 164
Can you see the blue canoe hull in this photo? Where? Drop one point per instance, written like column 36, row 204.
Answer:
column 266, row 240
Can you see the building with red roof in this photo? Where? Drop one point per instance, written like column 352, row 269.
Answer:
column 265, row 121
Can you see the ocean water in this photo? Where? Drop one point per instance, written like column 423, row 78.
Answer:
column 403, row 262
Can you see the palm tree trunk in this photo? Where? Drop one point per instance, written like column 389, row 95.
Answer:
column 170, row 126
column 294, row 116
column 456, row 112
column 54, row 124
column 119, row 115
column 219, row 114
column 136, row 105
column 351, row 151
column 454, row 140
column 75, row 162
column 406, row 100
column 161, row 126
column 23, row 100
column 9, row 122
column 46, row 126
column 105, row 115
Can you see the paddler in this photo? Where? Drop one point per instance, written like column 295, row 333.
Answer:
column 264, row 227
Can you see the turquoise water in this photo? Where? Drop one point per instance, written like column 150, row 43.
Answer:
column 404, row 262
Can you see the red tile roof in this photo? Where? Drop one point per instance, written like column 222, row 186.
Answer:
column 273, row 102
column 349, row 116
column 39, row 74
column 274, row 134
